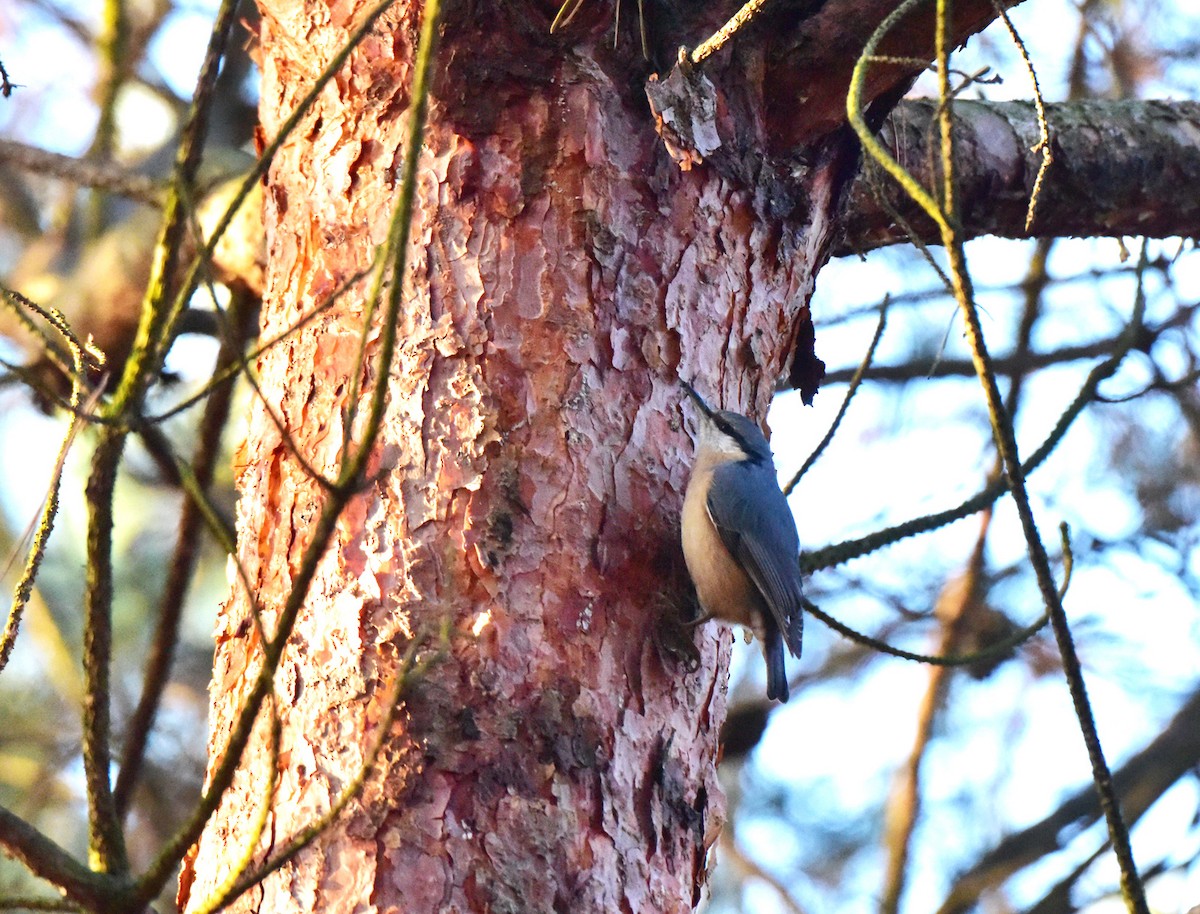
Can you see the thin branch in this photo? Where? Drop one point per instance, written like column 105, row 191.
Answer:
column 718, row 40
column 1141, row 781
column 243, row 365
column 228, row 889
column 397, row 244
column 841, row 413
column 924, row 370
column 113, row 58
column 838, row 553
column 106, row 838
column 187, row 540
column 1043, row 145
column 1001, row 648
column 37, row 550
column 97, row 175
column 18, row 304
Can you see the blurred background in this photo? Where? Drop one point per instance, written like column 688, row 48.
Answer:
column 884, row 784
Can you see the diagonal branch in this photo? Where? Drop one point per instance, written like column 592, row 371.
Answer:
column 51, row 862
column 1140, row 782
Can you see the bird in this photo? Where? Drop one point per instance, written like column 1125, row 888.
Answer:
column 739, row 538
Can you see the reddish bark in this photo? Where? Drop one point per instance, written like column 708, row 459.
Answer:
column 565, row 274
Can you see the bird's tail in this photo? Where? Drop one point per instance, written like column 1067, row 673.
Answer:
column 777, row 683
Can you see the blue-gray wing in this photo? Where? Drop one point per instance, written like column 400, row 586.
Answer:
column 756, row 526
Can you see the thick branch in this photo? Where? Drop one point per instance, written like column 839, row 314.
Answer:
column 1118, row 168
column 772, row 102
column 809, row 69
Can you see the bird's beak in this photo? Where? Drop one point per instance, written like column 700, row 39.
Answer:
column 699, row 400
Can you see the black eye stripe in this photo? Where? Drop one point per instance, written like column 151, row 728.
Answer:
column 728, row 429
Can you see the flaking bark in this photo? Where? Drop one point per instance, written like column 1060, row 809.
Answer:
column 565, row 276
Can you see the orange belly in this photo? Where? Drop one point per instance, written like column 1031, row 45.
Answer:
column 724, row 589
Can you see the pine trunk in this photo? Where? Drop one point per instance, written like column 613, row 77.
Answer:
column 565, row 274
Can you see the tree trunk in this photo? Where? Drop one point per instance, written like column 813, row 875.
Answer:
column 565, row 274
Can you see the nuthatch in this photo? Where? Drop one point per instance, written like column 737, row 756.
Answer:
column 739, row 538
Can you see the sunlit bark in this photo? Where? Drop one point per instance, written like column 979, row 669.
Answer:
column 565, row 275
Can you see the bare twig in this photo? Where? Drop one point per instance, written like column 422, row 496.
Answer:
column 166, row 636
column 6, row 85
column 718, row 40
column 81, row 358
column 106, row 838
column 100, row 175
column 841, row 413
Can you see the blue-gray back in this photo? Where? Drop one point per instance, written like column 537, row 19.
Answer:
column 756, row 526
